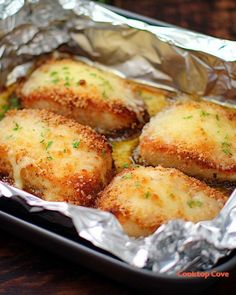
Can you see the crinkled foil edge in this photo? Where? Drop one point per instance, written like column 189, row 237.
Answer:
column 171, row 58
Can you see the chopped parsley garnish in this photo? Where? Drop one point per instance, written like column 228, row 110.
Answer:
column 17, row 127
column 93, row 74
column 204, row 113
column 67, row 84
column 126, row 165
column 54, row 73
column 4, row 108
column 225, row 146
column 55, row 81
column 75, row 144
column 104, row 94
column 226, row 137
column 104, row 152
column 217, row 117
column 147, row 195
column 14, row 103
column 9, row 136
column 227, row 152
column 42, row 141
column 50, row 158
column 65, row 68
column 127, row 176
column 194, row 203
column 187, row 117
column 49, row 144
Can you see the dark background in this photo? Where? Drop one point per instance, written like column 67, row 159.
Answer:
column 213, row 17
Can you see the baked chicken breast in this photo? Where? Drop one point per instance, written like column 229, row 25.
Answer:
column 144, row 198
column 87, row 94
column 199, row 138
column 53, row 157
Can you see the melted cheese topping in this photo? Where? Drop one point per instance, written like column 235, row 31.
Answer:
column 143, row 198
column 82, row 79
column 203, row 128
column 53, row 145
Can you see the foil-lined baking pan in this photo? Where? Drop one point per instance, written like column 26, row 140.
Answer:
column 170, row 58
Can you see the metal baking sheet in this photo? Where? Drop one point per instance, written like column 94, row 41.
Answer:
column 64, row 242
column 82, row 252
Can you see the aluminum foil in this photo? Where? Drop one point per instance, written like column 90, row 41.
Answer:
column 175, row 246
column 170, row 58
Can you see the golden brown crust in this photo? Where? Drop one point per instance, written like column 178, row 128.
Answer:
column 203, row 146
column 54, row 157
column 144, row 198
column 84, row 101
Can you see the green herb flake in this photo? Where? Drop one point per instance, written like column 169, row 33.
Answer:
column 147, row 195
column 126, row 165
column 4, row 108
column 188, row 117
column 225, row 146
column 50, row 158
column 226, row 138
column 194, row 203
column 217, row 117
column 104, row 152
column 204, row 113
column 9, row 136
column 67, row 84
column 55, row 81
column 93, row 74
column 17, row 127
column 104, row 94
column 75, row 144
column 14, row 103
column 113, row 145
column 42, row 141
column 54, row 73
column 227, row 152
column 127, row 176
column 49, row 144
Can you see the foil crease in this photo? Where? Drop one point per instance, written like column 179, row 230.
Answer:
column 175, row 246
column 170, row 58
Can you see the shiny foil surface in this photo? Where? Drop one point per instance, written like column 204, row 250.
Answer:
column 170, row 58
